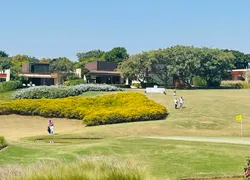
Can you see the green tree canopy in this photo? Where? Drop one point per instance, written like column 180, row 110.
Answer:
column 5, row 63
column 136, row 66
column 17, row 62
column 117, row 54
column 241, row 60
column 61, row 65
column 45, row 60
column 90, row 56
column 214, row 65
column 3, row 54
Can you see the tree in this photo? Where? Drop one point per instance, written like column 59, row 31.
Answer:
column 5, row 63
column 160, row 69
column 180, row 62
column 136, row 66
column 241, row 60
column 61, row 65
column 17, row 62
column 3, row 54
column 214, row 65
column 45, row 60
column 90, row 56
column 117, row 54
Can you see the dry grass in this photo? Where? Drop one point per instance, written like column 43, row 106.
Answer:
column 14, row 127
column 207, row 113
column 88, row 168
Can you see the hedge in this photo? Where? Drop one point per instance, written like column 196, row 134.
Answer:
column 10, row 85
column 74, row 82
column 108, row 109
column 3, row 142
column 60, row 91
column 235, row 84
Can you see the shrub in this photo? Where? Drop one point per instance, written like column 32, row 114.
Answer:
column 137, row 85
column 74, row 82
column 60, row 91
column 247, row 169
column 122, row 85
column 199, row 82
column 3, row 142
column 108, row 109
column 235, row 84
column 98, row 168
column 10, row 85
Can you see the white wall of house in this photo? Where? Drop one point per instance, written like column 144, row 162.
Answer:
column 8, row 74
column 79, row 72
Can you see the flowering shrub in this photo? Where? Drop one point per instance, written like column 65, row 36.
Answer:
column 235, row 84
column 247, row 169
column 108, row 109
column 53, row 92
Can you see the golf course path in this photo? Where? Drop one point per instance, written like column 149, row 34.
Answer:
column 204, row 139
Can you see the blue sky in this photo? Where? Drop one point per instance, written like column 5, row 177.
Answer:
column 53, row 28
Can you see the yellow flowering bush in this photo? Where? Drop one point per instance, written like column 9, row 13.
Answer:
column 108, row 109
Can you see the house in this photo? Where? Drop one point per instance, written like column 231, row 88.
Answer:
column 39, row 74
column 5, row 75
column 103, row 72
column 238, row 74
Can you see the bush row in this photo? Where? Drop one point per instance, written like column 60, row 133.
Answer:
column 3, row 142
column 10, row 85
column 122, row 85
column 74, row 82
column 60, row 91
column 235, row 84
column 108, row 109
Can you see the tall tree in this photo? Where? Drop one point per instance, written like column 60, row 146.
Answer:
column 136, row 66
column 91, row 56
column 5, row 63
column 17, row 62
column 117, row 54
column 241, row 60
column 61, row 65
column 3, row 54
column 181, row 62
column 214, row 65
column 160, row 71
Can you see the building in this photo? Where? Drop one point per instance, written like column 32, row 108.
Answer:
column 103, row 72
column 39, row 74
column 5, row 75
column 238, row 74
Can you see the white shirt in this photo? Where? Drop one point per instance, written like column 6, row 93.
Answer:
column 181, row 100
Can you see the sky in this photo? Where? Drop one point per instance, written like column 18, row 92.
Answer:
column 62, row 28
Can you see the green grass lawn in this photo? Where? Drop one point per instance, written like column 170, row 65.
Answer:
column 164, row 159
column 207, row 113
column 6, row 96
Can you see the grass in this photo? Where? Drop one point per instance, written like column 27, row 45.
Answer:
column 6, row 96
column 164, row 159
column 207, row 113
column 98, row 168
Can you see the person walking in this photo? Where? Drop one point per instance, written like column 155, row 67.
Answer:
column 181, row 102
column 175, row 103
column 174, row 92
column 51, row 127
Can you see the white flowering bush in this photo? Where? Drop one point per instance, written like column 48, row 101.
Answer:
column 53, row 92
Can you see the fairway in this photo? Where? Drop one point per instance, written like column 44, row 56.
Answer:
column 198, row 138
